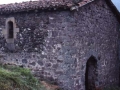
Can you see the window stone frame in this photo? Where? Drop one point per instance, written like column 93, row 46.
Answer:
column 5, row 31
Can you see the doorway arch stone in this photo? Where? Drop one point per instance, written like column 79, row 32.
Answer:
column 91, row 74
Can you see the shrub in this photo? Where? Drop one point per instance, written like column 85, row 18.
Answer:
column 17, row 78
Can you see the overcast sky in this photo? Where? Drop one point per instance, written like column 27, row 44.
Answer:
column 12, row 1
column 117, row 4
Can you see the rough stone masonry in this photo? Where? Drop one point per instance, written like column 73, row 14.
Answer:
column 56, row 44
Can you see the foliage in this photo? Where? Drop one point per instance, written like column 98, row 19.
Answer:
column 17, row 78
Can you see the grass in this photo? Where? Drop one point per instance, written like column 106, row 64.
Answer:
column 17, row 78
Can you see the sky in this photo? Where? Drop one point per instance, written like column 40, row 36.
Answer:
column 12, row 1
column 117, row 4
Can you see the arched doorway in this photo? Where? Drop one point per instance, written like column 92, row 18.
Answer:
column 10, row 30
column 91, row 74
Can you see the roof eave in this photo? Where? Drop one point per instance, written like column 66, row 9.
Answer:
column 28, row 6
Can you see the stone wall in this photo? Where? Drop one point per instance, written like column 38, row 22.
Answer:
column 57, row 44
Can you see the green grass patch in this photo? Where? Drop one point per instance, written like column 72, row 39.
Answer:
column 17, row 78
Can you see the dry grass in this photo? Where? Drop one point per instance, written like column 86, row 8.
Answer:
column 50, row 86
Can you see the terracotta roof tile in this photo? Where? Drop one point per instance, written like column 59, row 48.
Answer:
column 40, row 4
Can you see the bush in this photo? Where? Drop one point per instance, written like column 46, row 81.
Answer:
column 17, row 78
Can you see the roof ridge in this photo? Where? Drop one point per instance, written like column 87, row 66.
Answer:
column 40, row 4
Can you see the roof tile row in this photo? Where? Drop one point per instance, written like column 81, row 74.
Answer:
column 40, row 4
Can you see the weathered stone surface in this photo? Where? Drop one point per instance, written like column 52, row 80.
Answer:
column 55, row 66
column 58, row 44
column 24, row 61
column 48, row 65
column 33, row 63
column 40, row 62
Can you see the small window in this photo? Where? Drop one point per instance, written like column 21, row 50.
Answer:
column 10, row 30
